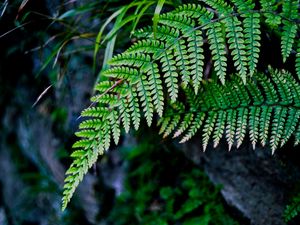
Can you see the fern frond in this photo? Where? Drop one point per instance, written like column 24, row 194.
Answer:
column 187, row 120
column 196, row 58
column 221, row 6
column 293, row 209
column 264, row 124
column 143, row 88
column 194, row 11
column 287, row 38
column 255, row 93
column 115, row 123
column 171, row 126
column 241, row 125
column 230, row 127
column 269, row 89
column 127, row 59
column 277, row 127
column 208, row 128
column 162, row 33
column 182, row 61
column 234, row 34
column 236, row 44
column 135, row 108
column 154, row 47
column 253, row 124
column 217, row 46
column 289, row 11
column 182, row 22
column 251, row 24
column 290, row 125
column 83, row 160
column 239, row 92
column 196, row 124
column 163, row 74
column 219, row 127
column 164, row 123
column 156, row 89
column 251, row 109
column 298, row 60
column 297, row 136
column 269, row 6
column 189, row 58
column 282, row 87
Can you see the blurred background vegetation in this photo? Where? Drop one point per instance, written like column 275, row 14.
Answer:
column 51, row 54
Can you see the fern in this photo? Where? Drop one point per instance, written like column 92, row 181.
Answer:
column 293, row 209
column 298, row 60
column 251, row 22
column 290, row 11
column 163, row 75
column 269, row 7
column 234, row 34
column 265, row 119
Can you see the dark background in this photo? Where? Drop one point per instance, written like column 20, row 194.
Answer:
column 36, row 139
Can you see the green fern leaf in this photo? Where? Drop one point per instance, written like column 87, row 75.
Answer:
column 154, row 47
column 293, row 209
column 182, row 62
column 230, row 127
column 289, row 11
column 163, row 33
column 290, row 125
column 125, row 115
column 239, row 94
column 297, row 136
column 255, row 93
column 195, row 12
column 187, row 120
column 219, row 128
column 287, row 38
column 251, row 24
column 234, row 34
column 78, row 168
column 115, row 123
column 196, row 124
column 264, row 124
column 171, row 126
column 155, row 85
column 208, row 128
column 220, row 5
column 164, row 123
column 254, row 124
column 196, row 58
column 236, row 44
column 162, row 75
column 241, row 125
column 82, row 144
column 217, row 47
column 298, row 60
column 269, row 89
column 282, row 87
column 106, row 135
column 144, row 93
column 269, row 6
column 277, row 127
column 135, row 108
column 181, row 22
column 252, row 38
column 129, row 59
column 170, row 74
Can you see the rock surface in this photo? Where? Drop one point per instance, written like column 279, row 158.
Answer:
column 255, row 183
